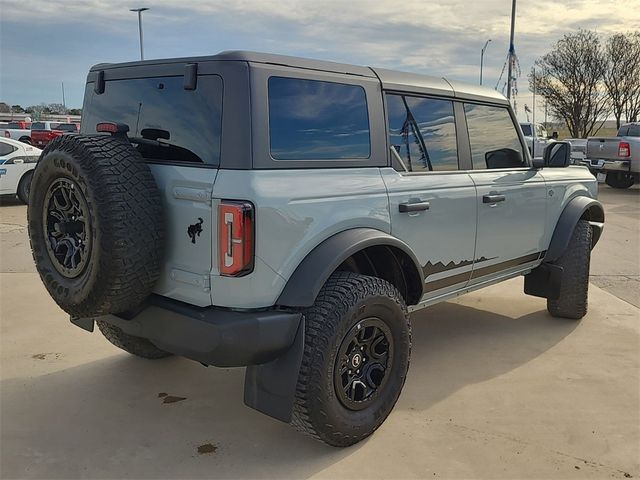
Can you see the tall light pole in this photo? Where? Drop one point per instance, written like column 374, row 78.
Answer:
column 512, row 48
column 140, row 10
column 482, row 58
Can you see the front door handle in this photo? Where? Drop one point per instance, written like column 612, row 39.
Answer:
column 415, row 206
column 493, row 198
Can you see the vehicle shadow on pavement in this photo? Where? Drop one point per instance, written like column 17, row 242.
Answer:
column 126, row 417
column 456, row 345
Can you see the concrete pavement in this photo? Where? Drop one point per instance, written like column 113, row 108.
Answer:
column 497, row 389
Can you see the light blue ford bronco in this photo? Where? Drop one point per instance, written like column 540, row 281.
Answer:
column 287, row 215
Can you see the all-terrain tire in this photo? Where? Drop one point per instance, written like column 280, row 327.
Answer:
column 140, row 347
column 619, row 180
column 346, row 301
column 118, row 235
column 572, row 302
column 24, row 186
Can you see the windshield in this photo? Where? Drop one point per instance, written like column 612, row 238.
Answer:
column 182, row 125
column 526, row 129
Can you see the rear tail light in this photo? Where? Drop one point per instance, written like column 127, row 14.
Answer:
column 235, row 238
column 7, row 134
column 624, row 149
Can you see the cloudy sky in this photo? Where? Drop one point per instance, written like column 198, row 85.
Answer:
column 46, row 42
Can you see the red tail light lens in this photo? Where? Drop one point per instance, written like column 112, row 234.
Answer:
column 235, row 238
column 624, row 149
column 7, row 134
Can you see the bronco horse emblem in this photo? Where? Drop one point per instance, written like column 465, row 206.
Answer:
column 195, row 229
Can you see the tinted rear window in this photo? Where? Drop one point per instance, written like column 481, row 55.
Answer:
column 316, row 120
column 188, row 123
column 67, row 127
column 38, row 126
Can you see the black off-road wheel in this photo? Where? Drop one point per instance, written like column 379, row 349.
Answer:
column 140, row 347
column 95, row 224
column 619, row 180
column 356, row 357
column 24, row 186
column 574, row 288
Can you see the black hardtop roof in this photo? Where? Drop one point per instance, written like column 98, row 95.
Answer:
column 390, row 79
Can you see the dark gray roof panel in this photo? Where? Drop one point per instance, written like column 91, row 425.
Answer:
column 311, row 64
column 252, row 57
column 468, row 91
column 391, row 79
column 403, row 81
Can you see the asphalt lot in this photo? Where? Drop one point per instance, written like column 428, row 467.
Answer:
column 496, row 389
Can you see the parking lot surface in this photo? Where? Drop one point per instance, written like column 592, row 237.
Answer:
column 496, row 389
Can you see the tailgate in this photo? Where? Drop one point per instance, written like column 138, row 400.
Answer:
column 603, row 148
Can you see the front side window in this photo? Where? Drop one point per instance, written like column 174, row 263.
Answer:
column 422, row 132
column 316, row 120
column 526, row 129
column 493, row 137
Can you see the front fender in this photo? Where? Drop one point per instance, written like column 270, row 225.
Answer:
column 581, row 207
column 305, row 283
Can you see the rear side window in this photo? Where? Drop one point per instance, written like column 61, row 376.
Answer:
column 316, row 120
column 6, row 149
column 422, row 131
column 182, row 125
column 629, row 131
column 493, row 137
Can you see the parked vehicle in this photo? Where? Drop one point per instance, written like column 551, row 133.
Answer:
column 617, row 159
column 290, row 221
column 20, row 131
column 43, row 132
column 536, row 137
column 68, row 127
column 578, row 149
column 17, row 161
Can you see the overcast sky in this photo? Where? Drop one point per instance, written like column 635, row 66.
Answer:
column 46, row 42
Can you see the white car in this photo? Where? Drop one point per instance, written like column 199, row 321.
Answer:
column 17, row 161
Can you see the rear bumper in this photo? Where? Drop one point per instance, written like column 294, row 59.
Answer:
column 601, row 165
column 209, row 335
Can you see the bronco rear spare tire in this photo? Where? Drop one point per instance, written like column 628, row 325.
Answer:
column 95, row 224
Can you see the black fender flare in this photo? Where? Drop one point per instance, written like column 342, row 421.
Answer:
column 305, row 283
column 581, row 207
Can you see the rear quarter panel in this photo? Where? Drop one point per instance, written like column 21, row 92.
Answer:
column 295, row 211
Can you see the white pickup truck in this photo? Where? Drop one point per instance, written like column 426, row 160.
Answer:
column 617, row 159
column 20, row 131
column 536, row 137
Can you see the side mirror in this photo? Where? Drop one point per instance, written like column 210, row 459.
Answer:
column 538, row 163
column 557, row 155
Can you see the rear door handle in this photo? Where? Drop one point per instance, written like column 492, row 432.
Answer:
column 415, row 206
column 493, row 198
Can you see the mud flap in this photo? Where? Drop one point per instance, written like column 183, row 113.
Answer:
column 544, row 281
column 270, row 387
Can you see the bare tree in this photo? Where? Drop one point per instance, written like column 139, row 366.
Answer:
column 632, row 107
column 571, row 79
column 622, row 75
